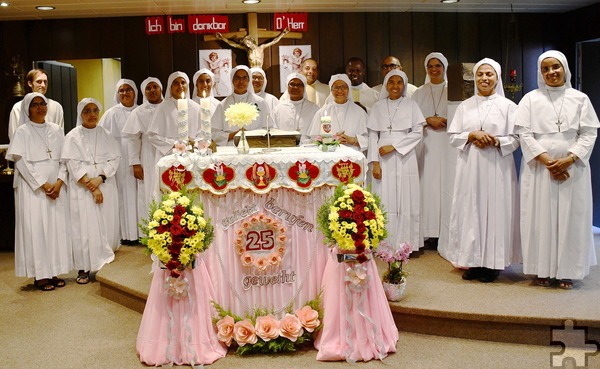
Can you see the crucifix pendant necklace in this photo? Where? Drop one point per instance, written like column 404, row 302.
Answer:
column 559, row 112
column 48, row 151
column 436, row 106
column 391, row 117
column 491, row 105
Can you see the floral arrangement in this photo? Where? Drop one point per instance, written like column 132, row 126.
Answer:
column 277, row 238
column 327, row 143
column 262, row 332
column 241, row 114
column 353, row 220
column 176, row 231
column 395, row 258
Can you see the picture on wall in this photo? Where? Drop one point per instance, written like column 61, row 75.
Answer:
column 219, row 62
column 290, row 60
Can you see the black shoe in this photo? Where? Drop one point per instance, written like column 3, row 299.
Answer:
column 472, row 273
column 488, row 275
column 129, row 242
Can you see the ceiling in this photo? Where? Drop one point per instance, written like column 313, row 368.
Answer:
column 26, row 9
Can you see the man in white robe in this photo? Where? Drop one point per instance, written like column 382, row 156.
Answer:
column 437, row 158
column 395, row 129
column 240, row 80
column 388, row 64
column 294, row 112
column 348, row 120
column 316, row 91
column 362, row 95
column 259, row 83
column 37, row 81
column 92, row 157
column 42, row 239
column 558, row 127
column 113, row 121
column 484, row 221
column 142, row 155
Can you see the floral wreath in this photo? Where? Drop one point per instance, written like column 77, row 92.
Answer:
column 260, row 242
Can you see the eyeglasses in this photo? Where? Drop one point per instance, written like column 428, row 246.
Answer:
column 89, row 111
column 339, row 88
column 125, row 90
column 37, row 104
column 240, row 78
column 296, row 85
column 389, row 66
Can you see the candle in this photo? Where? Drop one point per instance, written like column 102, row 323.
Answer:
column 326, row 128
column 204, row 102
column 182, row 119
column 205, row 129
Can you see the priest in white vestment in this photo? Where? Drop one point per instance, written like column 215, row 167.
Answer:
column 113, row 121
column 294, row 112
column 163, row 132
column 348, row 120
column 395, row 129
column 437, row 158
column 141, row 154
column 484, row 220
column 259, row 83
column 42, row 238
column 92, row 156
column 316, row 91
column 557, row 126
column 388, row 64
column 240, row 80
column 37, row 81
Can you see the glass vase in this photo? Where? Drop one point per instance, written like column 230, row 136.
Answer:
column 242, row 146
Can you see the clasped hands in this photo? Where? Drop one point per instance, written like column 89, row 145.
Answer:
column 93, row 185
column 558, row 168
column 482, row 139
column 52, row 190
column 345, row 139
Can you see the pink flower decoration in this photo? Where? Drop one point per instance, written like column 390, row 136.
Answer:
column 291, row 327
column 261, row 263
column 247, row 259
column 225, row 328
column 244, row 333
column 274, row 259
column 267, row 327
column 309, row 318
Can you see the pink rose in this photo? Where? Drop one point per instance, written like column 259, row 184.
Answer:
column 261, row 263
column 244, row 332
column 281, row 249
column 290, row 327
column 309, row 318
column 225, row 330
column 254, row 220
column 247, row 259
column 267, row 327
column 240, row 250
column 274, row 258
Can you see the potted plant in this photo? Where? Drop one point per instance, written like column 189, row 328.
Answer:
column 394, row 278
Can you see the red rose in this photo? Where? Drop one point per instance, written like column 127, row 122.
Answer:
column 362, row 258
column 162, row 228
column 345, row 214
column 188, row 232
column 360, row 247
column 370, row 215
column 358, row 195
column 176, row 229
column 361, row 228
column 176, row 219
column 358, row 218
column 359, row 209
column 173, row 264
column 179, row 210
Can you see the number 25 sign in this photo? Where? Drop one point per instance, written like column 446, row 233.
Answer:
column 260, row 242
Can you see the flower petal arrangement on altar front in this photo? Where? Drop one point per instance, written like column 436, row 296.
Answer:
column 262, row 332
column 176, row 231
column 353, row 220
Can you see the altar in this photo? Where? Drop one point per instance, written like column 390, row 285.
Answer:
column 267, row 252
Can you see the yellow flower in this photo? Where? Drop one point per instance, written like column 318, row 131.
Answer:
column 174, row 195
column 241, row 114
column 183, row 201
column 197, row 210
column 182, row 222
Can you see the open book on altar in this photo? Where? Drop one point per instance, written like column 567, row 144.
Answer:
column 277, row 138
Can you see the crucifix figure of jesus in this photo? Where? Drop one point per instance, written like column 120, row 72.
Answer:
column 249, row 40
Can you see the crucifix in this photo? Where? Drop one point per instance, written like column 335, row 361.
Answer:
column 249, row 39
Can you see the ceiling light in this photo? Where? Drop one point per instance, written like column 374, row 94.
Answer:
column 250, row 2
column 449, row 1
column 4, row 4
column 45, row 7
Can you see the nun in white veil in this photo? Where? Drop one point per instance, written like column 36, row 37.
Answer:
column 42, row 238
column 294, row 112
column 484, row 221
column 92, row 157
column 348, row 120
column 142, row 155
column 557, row 126
column 395, row 129
column 259, row 83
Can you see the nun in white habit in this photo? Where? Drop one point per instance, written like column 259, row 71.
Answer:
column 242, row 92
column 437, row 158
column 42, row 238
column 348, row 120
column 259, row 83
column 294, row 112
column 395, row 129
column 484, row 221
column 557, row 126
column 113, row 121
column 142, row 155
column 163, row 131
column 204, row 81
column 92, row 157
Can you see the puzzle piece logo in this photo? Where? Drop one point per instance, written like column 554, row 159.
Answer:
column 576, row 348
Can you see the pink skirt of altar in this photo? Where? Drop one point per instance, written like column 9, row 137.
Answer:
column 179, row 331
column 346, row 334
